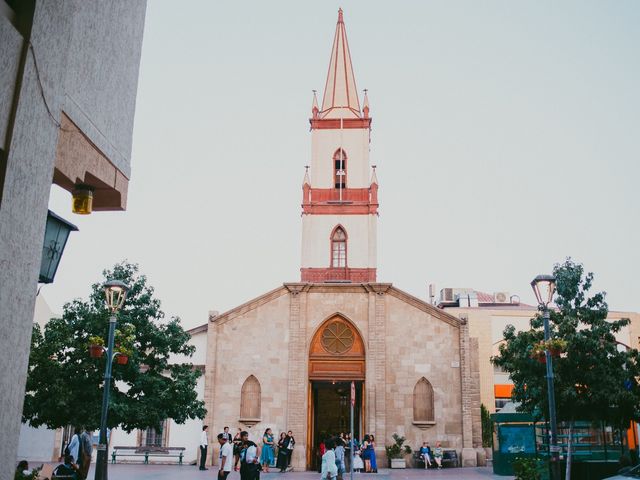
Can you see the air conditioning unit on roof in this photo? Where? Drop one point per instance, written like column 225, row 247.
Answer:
column 502, row 297
column 446, row 295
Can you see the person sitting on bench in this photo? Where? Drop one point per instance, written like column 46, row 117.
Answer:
column 68, row 469
column 425, row 453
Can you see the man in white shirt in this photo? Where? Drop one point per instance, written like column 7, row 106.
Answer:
column 74, row 445
column 204, row 442
column 226, row 456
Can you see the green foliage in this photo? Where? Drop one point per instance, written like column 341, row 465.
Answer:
column 527, row 468
column 95, row 340
column 487, row 427
column 64, row 386
column 594, row 379
column 397, row 449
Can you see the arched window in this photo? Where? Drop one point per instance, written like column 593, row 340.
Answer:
column 339, row 248
column 250, row 400
column 423, row 402
column 340, row 168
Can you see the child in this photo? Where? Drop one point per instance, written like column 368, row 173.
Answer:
column 358, row 464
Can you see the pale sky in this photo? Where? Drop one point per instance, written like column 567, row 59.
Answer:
column 506, row 136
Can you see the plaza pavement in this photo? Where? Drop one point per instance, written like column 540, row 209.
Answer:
column 190, row 472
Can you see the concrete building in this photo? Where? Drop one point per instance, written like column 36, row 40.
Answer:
column 488, row 315
column 68, row 82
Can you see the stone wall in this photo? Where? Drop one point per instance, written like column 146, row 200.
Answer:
column 405, row 339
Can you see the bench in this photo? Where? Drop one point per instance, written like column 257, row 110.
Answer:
column 146, row 452
column 449, row 458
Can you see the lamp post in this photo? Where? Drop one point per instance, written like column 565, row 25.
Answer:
column 115, row 293
column 544, row 286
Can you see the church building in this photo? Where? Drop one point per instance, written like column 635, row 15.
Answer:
column 413, row 365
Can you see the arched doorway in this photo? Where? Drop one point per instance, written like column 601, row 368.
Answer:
column 336, row 358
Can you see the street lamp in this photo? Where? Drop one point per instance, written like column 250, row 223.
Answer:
column 115, row 293
column 544, row 286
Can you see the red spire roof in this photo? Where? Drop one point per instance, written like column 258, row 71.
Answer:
column 340, row 94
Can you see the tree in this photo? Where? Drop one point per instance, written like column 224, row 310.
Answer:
column 595, row 377
column 64, row 385
column 487, row 427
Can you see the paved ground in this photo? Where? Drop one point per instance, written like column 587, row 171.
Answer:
column 173, row 472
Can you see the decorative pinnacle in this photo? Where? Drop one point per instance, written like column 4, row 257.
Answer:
column 306, row 180
column 340, row 19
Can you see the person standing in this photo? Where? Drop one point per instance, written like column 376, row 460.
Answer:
column 339, row 452
column 249, row 467
column 267, row 456
column 227, row 435
column 291, row 442
column 85, row 450
column 74, row 445
column 281, row 463
column 328, row 468
column 237, row 448
column 366, row 454
column 372, row 446
column 204, row 443
column 226, row 456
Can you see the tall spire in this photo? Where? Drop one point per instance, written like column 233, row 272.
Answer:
column 340, row 94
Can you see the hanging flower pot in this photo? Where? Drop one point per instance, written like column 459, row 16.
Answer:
column 122, row 359
column 541, row 358
column 555, row 351
column 96, row 351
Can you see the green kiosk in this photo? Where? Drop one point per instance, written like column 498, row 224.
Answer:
column 597, row 450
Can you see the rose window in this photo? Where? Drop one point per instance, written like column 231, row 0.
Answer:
column 337, row 338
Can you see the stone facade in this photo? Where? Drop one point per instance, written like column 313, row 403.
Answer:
column 404, row 340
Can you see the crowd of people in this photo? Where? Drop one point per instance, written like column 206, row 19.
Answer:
column 239, row 453
column 335, row 455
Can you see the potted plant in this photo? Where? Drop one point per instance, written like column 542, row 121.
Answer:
column 396, row 452
column 555, row 346
column 124, row 338
column 123, row 354
column 96, row 346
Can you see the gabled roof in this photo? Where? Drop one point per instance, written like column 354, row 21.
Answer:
column 387, row 288
column 340, row 98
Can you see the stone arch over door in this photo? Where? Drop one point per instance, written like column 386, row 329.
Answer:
column 337, row 351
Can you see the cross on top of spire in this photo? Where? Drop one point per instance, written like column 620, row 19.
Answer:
column 340, row 98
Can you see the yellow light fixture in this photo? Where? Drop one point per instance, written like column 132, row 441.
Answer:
column 82, row 200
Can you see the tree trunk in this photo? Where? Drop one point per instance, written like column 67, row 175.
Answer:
column 569, row 453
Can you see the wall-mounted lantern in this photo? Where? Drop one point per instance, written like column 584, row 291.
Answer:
column 55, row 239
column 82, row 199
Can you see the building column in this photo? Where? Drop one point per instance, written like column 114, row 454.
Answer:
column 468, row 452
column 376, row 365
column 297, row 382
column 210, row 379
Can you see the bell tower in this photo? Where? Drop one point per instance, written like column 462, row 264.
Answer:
column 340, row 188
